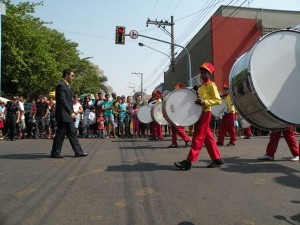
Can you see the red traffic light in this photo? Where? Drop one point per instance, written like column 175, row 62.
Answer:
column 120, row 30
column 120, row 35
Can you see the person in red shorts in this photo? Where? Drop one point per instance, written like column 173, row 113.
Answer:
column 208, row 95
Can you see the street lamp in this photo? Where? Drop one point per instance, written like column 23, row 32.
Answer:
column 142, row 45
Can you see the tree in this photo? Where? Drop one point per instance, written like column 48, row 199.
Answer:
column 34, row 56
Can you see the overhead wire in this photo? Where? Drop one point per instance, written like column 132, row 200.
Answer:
column 161, row 74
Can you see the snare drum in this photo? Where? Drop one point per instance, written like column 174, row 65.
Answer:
column 179, row 108
column 157, row 115
column 144, row 114
column 264, row 82
column 219, row 110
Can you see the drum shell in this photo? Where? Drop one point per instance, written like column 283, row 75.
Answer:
column 261, row 92
column 157, row 115
column 179, row 108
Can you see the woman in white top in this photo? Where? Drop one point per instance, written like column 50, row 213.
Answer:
column 77, row 107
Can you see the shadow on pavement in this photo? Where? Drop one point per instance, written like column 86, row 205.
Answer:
column 26, row 156
column 288, row 175
column 140, row 167
column 295, row 218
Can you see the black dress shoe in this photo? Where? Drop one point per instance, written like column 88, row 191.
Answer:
column 187, row 143
column 184, row 165
column 173, row 146
column 216, row 163
column 57, row 156
column 81, row 154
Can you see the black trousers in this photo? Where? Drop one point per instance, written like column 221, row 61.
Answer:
column 11, row 122
column 63, row 129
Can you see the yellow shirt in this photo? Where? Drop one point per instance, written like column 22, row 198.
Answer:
column 230, row 106
column 210, row 94
column 115, row 107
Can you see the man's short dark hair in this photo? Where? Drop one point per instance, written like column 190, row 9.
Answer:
column 67, row 72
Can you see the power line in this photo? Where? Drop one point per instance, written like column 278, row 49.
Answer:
column 223, row 22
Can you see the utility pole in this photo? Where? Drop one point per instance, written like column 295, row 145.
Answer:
column 162, row 24
column 140, row 75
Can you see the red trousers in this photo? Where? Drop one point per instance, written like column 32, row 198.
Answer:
column 203, row 134
column 178, row 131
column 227, row 125
column 289, row 137
column 247, row 131
column 156, row 130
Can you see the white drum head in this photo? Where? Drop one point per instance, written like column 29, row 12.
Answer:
column 157, row 115
column 275, row 72
column 219, row 110
column 180, row 109
column 144, row 114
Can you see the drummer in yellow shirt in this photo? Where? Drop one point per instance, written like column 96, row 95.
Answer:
column 208, row 96
column 227, row 122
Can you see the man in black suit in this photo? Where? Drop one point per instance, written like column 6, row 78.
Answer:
column 65, row 117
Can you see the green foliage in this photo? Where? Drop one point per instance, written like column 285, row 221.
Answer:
column 34, row 56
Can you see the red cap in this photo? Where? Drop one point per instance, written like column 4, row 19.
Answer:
column 207, row 66
column 179, row 85
column 158, row 92
column 226, row 85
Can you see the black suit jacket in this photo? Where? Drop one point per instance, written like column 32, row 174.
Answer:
column 64, row 103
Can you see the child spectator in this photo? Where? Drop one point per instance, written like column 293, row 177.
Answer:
column 121, row 115
column 92, row 121
column 100, row 125
column 135, row 120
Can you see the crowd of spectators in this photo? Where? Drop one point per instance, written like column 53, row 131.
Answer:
column 98, row 116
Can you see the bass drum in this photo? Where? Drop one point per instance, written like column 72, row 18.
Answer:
column 179, row 108
column 219, row 110
column 242, row 122
column 144, row 114
column 157, row 115
column 264, row 82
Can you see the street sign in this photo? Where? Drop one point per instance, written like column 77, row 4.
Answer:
column 133, row 34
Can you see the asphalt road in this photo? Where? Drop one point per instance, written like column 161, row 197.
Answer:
column 134, row 181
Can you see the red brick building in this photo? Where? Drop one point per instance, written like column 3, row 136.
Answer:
column 228, row 34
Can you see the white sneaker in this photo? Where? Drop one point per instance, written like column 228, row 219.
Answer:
column 266, row 157
column 295, row 159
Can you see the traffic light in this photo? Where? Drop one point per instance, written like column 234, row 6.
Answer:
column 120, row 35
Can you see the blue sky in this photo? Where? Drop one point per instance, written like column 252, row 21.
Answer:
column 91, row 24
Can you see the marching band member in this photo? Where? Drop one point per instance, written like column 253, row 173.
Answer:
column 156, row 128
column 247, row 133
column 227, row 122
column 177, row 130
column 208, row 96
column 290, row 139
